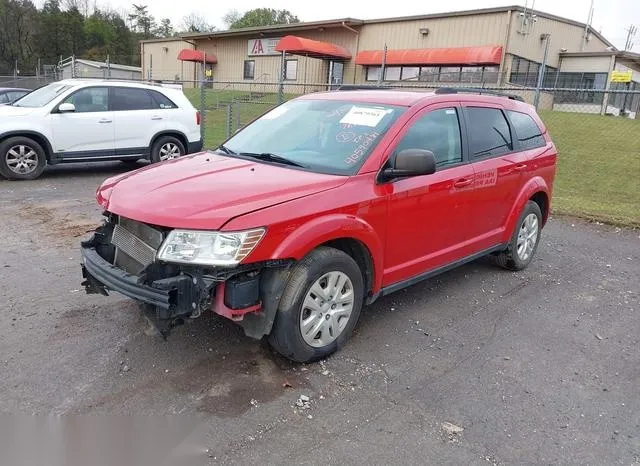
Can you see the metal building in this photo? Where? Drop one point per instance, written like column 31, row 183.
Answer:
column 503, row 46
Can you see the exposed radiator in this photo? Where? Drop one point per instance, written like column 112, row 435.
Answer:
column 138, row 242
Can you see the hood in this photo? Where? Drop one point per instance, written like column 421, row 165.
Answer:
column 10, row 111
column 204, row 191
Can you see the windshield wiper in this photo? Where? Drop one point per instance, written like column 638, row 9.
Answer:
column 226, row 150
column 270, row 157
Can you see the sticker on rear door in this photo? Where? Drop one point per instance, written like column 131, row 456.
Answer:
column 365, row 116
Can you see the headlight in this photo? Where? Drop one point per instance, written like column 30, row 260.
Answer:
column 209, row 247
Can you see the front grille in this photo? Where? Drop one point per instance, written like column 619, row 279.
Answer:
column 136, row 245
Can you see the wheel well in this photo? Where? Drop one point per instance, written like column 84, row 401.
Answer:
column 181, row 137
column 36, row 137
column 359, row 253
column 541, row 199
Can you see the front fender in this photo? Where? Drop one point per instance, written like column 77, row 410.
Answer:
column 533, row 186
column 320, row 230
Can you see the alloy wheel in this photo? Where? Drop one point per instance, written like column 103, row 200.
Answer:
column 21, row 159
column 527, row 237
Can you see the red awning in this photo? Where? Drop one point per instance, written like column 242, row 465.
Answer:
column 490, row 55
column 312, row 48
column 196, row 56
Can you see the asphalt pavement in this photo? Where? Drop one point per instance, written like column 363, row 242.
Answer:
column 476, row 366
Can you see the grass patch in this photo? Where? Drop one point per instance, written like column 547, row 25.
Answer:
column 598, row 174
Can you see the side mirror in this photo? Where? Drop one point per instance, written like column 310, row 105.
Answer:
column 411, row 162
column 66, row 108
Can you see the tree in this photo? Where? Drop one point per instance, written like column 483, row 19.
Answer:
column 165, row 29
column 231, row 17
column 107, row 34
column 195, row 22
column 18, row 21
column 259, row 17
column 142, row 21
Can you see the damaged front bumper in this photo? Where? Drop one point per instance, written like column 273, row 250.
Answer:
column 101, row 276
column 248, row 294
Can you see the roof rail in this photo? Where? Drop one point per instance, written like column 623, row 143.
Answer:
column 476, row 90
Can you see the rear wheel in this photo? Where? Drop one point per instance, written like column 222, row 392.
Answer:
column 21, row 158
column 320, row 306
column 166, row 148
column 524, row 240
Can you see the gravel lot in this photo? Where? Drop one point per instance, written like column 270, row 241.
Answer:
column 535, row 367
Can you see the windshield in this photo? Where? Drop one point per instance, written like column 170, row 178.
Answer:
column 327, row 136
column 41, row 96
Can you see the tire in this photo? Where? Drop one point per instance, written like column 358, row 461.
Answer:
column 21, row 158
column 514, row 257
column 295, row 309
column 163, row 144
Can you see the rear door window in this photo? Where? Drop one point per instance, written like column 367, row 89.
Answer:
column 129, row 98
column 527, row 133
column 489, row 132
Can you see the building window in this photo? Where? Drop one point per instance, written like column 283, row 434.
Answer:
column 249, row 69
column 429, row 74
column 490, row 74
column 432, row 74
column 291, row 70
column 392, row 73
column 587, row 83
column 410, row 73
column 450, row 74
column 373, row 73
column 525, row 72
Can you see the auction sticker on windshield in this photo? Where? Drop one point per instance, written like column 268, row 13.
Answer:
column 364, row 116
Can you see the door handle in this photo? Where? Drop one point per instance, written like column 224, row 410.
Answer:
column 520, row 167
column 156, row 117
column 104, row 120
column 463, row 182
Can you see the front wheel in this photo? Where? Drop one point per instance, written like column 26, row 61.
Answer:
column 320, row 306
column 524, row 240
column 166, row 148
column 21, row 158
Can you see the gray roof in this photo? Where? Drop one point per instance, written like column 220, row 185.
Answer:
column 101, row 65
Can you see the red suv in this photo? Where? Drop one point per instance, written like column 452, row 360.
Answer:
column 322, row 205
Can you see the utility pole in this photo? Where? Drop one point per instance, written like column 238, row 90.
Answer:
column 384, row 62
column 631, row 33
column 585, row 37
column 536, row 98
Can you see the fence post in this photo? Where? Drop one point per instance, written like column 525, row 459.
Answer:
column 203, row 112
column 229, row 119
column 281, row 80
column 237, row 111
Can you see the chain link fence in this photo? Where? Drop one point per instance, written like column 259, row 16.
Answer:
column 228, row 106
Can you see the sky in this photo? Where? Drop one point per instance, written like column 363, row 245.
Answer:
column 611, row 17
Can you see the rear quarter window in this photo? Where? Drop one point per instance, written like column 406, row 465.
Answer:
column 162, row 101
column 527, row 132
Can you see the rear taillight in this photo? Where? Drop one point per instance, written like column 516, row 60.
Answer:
column 198, row 118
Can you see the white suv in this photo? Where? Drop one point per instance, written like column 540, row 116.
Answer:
column 92, row 120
